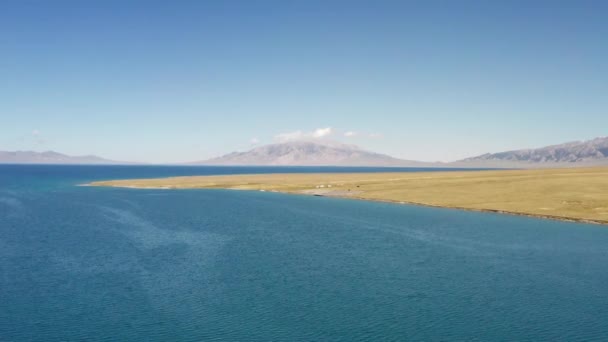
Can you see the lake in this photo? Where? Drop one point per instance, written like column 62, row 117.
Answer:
column 83, row 263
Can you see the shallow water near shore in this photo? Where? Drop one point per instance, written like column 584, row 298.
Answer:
column 85, row 263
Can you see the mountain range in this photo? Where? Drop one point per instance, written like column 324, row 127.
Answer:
column 590, row 152
column 316, row 153
column 327, row 153
column 310, row 153
column 50, row 157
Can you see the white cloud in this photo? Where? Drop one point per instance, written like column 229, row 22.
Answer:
column 289, row 136
column 352, row 134
column 35, row 132
column 296, row 135
column 322, row 132
column 254, row 141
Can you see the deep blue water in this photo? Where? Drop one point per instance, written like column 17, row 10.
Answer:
column 82, row 263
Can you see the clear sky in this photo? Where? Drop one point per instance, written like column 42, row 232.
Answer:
column 169, row 81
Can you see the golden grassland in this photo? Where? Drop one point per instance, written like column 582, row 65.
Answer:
column 577, row 194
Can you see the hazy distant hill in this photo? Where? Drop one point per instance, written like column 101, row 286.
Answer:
column 590, row 152
column 49, row 157
column 327, row 153
column 310, row 153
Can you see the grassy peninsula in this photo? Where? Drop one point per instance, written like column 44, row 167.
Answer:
column 577, row 194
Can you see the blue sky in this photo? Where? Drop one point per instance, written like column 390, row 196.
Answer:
column 169, row 81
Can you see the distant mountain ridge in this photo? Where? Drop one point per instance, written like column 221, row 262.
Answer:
column 320, row 152
column 50, row 157
column 309, row 153
column 590, row 152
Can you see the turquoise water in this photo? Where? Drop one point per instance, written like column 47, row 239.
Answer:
column 95, row 264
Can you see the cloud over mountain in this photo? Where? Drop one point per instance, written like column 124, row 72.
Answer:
column 299, row 135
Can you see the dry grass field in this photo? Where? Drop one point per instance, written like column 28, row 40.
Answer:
column 579, row 194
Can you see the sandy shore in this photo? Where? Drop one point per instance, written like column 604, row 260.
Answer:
column 577, row 194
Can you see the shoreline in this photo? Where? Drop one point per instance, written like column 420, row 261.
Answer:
column 312, row 194
column 491, row 211
column 569, row 195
